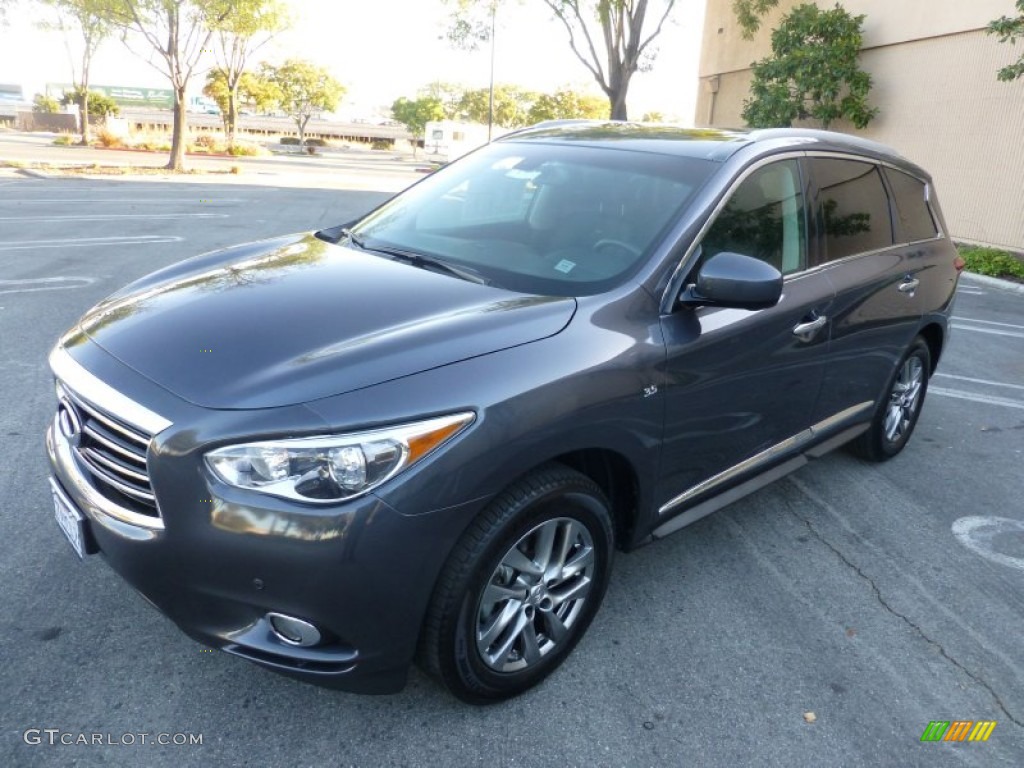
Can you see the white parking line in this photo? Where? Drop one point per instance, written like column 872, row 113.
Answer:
column 990, row 331
column 960, row 394
column 987, row 322
column 146, row 201
column 979, row 381
column 32, row 285
column 972, row 291
column 112, row 216
column 986, row 535
column 87, row 242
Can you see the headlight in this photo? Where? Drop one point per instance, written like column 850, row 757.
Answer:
column 333, row 467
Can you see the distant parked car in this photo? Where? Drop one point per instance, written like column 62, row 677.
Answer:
column 425, row 433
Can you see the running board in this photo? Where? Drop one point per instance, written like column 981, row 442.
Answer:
column 705, row 508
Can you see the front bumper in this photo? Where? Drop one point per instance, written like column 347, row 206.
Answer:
column 218, row 560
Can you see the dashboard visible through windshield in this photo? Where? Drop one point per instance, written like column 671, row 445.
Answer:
column 544, row 219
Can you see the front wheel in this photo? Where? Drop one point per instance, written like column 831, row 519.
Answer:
column 521, row 587
column 898, row 411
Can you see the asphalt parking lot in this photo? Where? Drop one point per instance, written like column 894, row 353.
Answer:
column 878, row 598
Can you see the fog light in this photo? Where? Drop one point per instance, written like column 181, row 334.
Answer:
column 293, row 631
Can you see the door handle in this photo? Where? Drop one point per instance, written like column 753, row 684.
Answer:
column 806, row 331
column 909, row 285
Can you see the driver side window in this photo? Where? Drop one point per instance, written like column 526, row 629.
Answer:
column 764, row 218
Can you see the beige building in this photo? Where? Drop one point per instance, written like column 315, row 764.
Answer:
column 934, row 82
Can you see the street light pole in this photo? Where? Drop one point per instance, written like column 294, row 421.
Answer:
column 490, row 93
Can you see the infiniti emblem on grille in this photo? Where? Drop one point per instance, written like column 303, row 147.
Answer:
column 67, row 418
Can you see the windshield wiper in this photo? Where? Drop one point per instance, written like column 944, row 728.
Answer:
column 353, row 238
column 422, row 260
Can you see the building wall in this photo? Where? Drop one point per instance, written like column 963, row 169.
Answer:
column 934, row 72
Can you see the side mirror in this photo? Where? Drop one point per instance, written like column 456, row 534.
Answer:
column 734, row 280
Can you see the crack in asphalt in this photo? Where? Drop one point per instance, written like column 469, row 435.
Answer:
column 881, row 601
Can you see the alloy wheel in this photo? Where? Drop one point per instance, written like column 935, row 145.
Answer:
column 904, row 399
column 535, row 595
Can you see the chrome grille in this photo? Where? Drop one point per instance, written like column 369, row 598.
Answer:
column 113, row 453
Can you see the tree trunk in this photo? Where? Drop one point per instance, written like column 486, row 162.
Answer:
column 84, row 106
column 177, row 159
column 300, row 122
column 618, row 87
column 617, row 102
column 232, row 121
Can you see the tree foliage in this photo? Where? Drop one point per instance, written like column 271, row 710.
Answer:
column 177, row 33
column 813, row 72
column 250, row 26
column 611, row 38
column 749, row 13
column 565, row 104
column 414, row 114
column 1009, row 28
column 90, row 22
column 511, row 105
column 251, row 91
column 99, row 104
column 5, row 6
column 45, row 105
column 306, row 89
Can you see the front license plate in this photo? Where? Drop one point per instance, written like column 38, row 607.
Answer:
column 72, row 522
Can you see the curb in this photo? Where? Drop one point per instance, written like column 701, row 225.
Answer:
column 995, row 282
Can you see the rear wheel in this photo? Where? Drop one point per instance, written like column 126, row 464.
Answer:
column 521, row 587
column 898, row 411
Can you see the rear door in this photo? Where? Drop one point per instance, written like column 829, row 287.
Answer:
column 745, row 382
column 877, row 307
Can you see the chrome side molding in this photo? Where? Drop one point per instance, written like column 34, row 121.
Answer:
column 767, row 456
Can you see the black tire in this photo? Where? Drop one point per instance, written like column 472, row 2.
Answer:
column 898, row 410
column 554, row 506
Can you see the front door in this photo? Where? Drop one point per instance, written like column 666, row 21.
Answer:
column 743, row 382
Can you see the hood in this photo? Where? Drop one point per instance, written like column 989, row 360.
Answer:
column 296, row 319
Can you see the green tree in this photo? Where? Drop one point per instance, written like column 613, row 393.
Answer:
column 414, row 114
column 611, row 38
column 511, row 105
column 567, row 105
column 813, row 72
column 44, row 105
column 90, row 23
column 99, row 104
column 1009, row 29
column 449, row 94
column 251, row 91
column 749, row 14
column 306, row 89
column 179, row 32
column 250, row 26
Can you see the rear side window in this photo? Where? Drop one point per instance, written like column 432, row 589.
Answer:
column 913, row 218
column 854, row 207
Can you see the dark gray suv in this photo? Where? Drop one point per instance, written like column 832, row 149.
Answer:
column 423, row 435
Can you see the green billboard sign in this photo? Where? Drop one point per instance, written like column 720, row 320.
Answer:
column 125, row 96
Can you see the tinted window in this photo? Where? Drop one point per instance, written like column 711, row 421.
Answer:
column 764, row 218
column 538, row 218
column 913, row 219
column 854, row 207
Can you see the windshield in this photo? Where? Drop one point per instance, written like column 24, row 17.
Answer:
column 541, row 218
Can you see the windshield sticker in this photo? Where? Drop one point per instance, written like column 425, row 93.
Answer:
column 565, row 266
